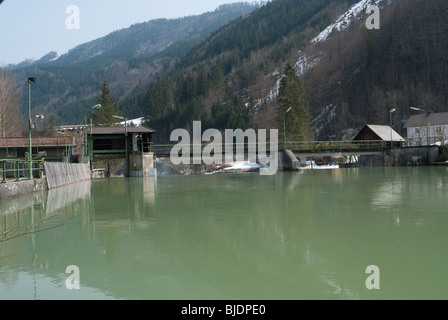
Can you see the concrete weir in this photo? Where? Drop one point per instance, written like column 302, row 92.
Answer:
column 61, row 174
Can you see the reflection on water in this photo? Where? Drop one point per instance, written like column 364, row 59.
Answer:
column 60, row 198
column 307, row 235
column 387, row 195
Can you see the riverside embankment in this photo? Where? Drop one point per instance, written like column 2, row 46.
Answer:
column 55, row 175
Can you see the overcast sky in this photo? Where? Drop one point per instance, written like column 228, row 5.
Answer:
column 32, row 28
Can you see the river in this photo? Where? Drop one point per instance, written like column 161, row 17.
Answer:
column 292, row 236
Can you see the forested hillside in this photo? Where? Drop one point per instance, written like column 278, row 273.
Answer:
column 221, row 80
column 230, row 78
column 354, row 77
column 362, row 74
column 128, row 59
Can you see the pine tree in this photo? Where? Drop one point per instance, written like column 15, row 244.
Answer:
column 297, row 121
column 103, row 114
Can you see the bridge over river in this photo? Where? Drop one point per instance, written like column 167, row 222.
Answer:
column 359, row 153
column 300, row 149
column 291, row 155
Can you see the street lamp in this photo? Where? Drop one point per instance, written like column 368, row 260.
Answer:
column 125, row 123
column 390, row 113
column 427, row 124
column 125, row 139
column 284, row 127
column 86, row 144
column 30, row 169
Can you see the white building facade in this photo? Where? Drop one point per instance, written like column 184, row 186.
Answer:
column 427, row 129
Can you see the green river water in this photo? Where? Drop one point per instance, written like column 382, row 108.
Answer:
column 291, row 236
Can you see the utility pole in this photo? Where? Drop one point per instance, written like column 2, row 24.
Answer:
column 30, row 125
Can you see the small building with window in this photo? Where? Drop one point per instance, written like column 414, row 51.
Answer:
column 427, row 129
column 385, row 135
column 121, row 150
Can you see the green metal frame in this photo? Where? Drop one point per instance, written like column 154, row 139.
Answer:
column 20, row 169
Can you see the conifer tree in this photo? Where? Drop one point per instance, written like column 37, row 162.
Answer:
column 103, row 115
column 296, row 122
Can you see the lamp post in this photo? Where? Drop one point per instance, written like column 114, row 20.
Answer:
column 125, row 123
column 390, row 113
column 30, row 169
column 125, row 139
column 428, row 140
column 86, row 145
column 284, row 127
column 89, row 147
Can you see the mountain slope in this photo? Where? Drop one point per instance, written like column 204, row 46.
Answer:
column 220, row 80
column 363, row 74
column 128, row 59
column 352, row 76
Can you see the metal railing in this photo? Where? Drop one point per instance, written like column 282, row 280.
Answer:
column 14, row 170
column 353, row 145
column 304, row 146
column 423, row 141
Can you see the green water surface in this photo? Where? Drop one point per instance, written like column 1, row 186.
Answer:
column 293, row 236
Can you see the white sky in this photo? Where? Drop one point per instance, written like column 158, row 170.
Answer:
column 30, row 29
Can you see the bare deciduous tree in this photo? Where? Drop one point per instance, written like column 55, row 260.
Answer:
column 9, row 105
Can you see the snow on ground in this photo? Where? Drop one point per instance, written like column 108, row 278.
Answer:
column 344, row 21
column 243, row 165
column 305, row 62
column 324, row 118
column 137, row 122
column 238, row 166
column 313, row 165
column 55, row 58
column 441, row 143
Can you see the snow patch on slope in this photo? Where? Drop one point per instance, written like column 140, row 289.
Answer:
column 305, row 62
column 324, row 118
column 344, row 21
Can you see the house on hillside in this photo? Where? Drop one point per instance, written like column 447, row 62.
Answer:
column 427, row 129
column 386, row 134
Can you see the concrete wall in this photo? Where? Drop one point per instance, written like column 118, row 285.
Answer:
column 17, row 188
column 415, row 156
column 140, row 165
column 59, row 174
column 148, row 163
column 111, row 166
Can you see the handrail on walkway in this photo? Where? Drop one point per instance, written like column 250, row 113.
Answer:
column 308, row 146
column 14, row 170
